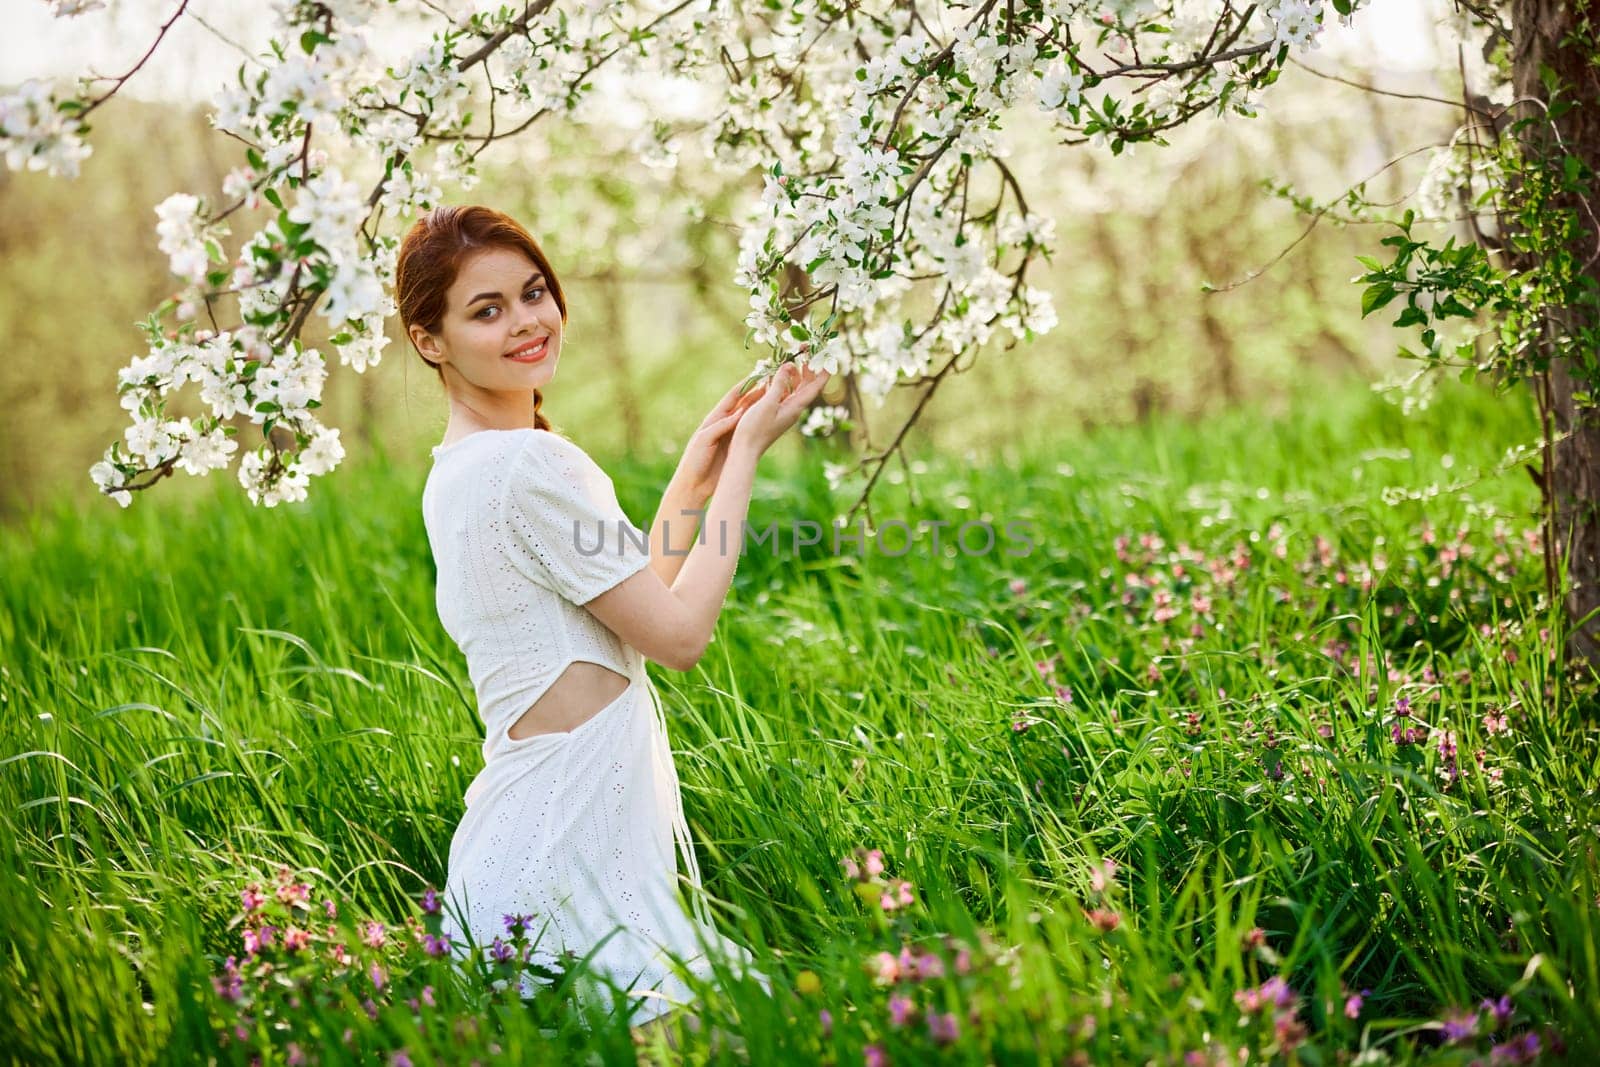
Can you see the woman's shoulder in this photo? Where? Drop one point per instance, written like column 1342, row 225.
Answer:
column 497, row 451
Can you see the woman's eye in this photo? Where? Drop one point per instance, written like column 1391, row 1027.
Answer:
column 528, row 295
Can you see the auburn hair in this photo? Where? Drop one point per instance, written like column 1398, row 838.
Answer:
column 432, row 253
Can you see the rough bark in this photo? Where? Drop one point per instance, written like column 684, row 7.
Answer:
column 1543, row 35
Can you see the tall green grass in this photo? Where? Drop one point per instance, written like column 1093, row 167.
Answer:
column 196, row 694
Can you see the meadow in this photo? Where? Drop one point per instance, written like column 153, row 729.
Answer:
column 1258, row 755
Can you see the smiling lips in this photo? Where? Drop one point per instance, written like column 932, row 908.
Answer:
column 532, row 352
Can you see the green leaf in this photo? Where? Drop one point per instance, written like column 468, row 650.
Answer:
column 1375, row 297
column 1410, row 317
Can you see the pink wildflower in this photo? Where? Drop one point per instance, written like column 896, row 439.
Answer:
column 1102, row 920
column 373, row 934
column 898, row 895
column 295, row 894
column 1103, row 877
column 902, row 1009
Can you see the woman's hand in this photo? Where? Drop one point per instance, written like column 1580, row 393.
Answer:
column 787, row 393
column 701, row 466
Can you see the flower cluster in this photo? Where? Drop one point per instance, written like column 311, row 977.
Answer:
column 866, row 869
column 825, row 419
column 41, row 131
column 893, row 122
column 1276, row 1004
column 1104, row 916
column 296, row 956
column 915, row 979
column 300, row 967
column 1400, row 730
column 1492, row 1016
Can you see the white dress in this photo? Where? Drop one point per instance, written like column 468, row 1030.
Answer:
column 575, row 828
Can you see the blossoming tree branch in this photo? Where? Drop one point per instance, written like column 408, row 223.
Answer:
column 871, row 248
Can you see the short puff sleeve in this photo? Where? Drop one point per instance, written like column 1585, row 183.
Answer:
column 566, row 530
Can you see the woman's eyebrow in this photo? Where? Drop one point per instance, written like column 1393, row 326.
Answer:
column 537, row 277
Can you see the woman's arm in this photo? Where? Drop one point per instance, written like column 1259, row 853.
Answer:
column 672, row 623
column 695, row 479
column 673, row 531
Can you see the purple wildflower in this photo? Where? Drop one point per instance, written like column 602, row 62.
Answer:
column 944, row 1028
column 1524, row 1049
column 1458, row 1026
column 228, row 985
column 1501, row 1009
column 430, row 901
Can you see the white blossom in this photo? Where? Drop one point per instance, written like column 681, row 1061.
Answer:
column 824, row 420
column 36, row 134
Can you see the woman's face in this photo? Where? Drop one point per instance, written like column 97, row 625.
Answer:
column 498, row 305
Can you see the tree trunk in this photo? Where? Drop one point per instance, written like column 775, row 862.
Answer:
column 1540, row 37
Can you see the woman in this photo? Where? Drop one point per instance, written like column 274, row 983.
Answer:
column 555, row 599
